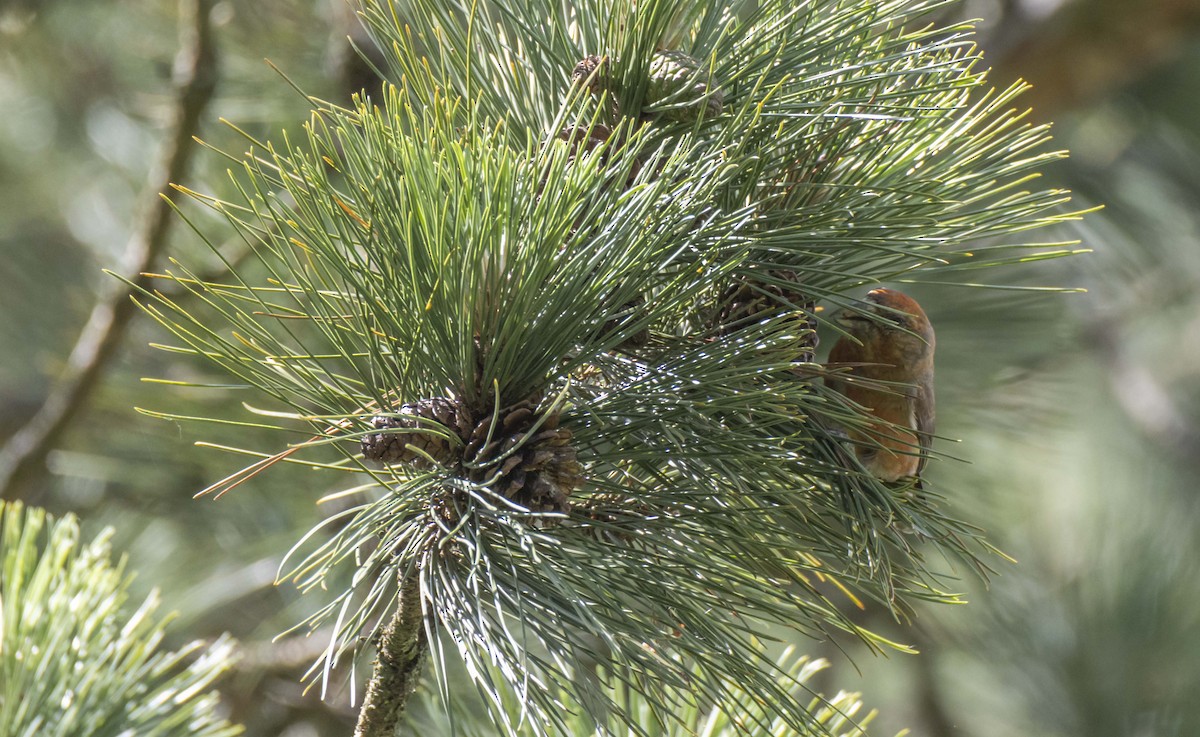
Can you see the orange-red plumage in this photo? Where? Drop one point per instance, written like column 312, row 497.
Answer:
column 889, row 346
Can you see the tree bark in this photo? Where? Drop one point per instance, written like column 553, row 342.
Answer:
column 402, row 648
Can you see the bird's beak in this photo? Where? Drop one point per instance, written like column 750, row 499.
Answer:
column 848, row 318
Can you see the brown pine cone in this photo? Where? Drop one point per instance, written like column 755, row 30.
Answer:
column 592, row 72
column 415, row 435
column 519, row 453
column 537, row 469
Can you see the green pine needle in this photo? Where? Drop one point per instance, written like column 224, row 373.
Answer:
column 75, row 659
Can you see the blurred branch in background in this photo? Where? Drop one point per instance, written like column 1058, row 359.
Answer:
column 1090, row 48
column 22, row 459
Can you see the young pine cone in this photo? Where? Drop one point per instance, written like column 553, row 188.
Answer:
column 593, row 73
column 680, row 89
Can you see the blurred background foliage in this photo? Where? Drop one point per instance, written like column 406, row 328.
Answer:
column 1078, row 415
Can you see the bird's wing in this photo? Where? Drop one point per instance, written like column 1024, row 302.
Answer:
column 923, row 421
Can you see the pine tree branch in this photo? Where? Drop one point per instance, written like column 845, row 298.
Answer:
column 402, row 648
column 851, row 151
column 81, row 656
column 22, row 459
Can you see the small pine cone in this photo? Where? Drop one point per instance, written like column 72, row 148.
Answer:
column 593, row 73
column 748, row 301
column 680, row 84
column 537, row 469
column 415, row 435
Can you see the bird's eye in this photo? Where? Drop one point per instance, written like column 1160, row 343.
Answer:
column 886, row 315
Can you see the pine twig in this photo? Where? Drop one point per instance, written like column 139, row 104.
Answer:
column 22, row 459
column 402, row 648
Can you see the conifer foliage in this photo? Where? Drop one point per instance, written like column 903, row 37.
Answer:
column 552, row 302
column 75, row 659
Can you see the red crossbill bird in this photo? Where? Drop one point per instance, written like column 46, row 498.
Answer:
column 890, row 346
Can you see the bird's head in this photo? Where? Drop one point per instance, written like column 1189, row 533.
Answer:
column 890, row 318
